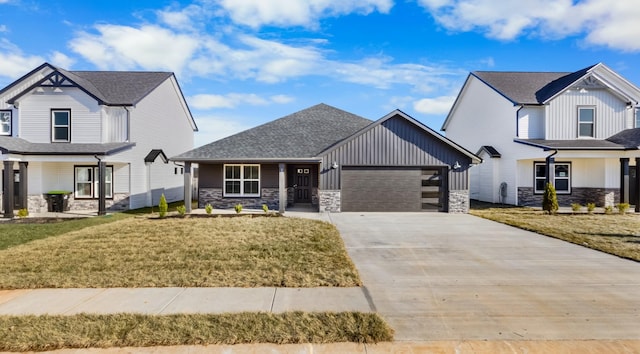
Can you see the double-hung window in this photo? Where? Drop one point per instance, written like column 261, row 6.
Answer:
column 241, row 180
column 88, row 183
column 60, row 125
column 562, row 177
column 586, row 122
column 5, row 122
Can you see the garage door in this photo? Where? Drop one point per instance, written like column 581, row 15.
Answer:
column 391, row 189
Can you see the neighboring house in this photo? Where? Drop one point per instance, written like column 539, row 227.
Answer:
column 59, row 129
column 333, row 160
column 581, row 126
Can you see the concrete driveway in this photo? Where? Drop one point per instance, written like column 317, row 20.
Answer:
column 437, row 276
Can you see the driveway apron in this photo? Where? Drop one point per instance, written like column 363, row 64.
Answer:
column 436, row 276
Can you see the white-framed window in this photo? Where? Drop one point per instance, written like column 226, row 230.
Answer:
column 5, row 122
column 60, row 125
column 562, row 177
column 241, row 180
column 87, row 182
column 586, row 122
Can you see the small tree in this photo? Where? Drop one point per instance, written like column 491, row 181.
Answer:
column 163, row 207
column 550, row 199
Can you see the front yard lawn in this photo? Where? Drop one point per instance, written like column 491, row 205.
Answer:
column 39, row 333
column 190, row 252
column 615, row 234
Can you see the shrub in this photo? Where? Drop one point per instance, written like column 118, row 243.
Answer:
column 208, row 208
column 265, row 208
column 238, row 208
column 181, row 210
column 23, row 213
column 163, row 207
column 622, row 208
column 591, row 207
column 550, row 199
column 576, row 207
column 608, row 209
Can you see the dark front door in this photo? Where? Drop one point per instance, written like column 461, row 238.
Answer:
column 302, row 185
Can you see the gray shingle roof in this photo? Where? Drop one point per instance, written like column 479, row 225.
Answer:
column 11, row 145
column 300, row 135
column 529, row 87
column 629, row 138
column 115, row 88
column 491, row 151
column 577, row 144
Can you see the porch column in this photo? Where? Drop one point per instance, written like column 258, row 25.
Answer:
column 624, row 180
column 23, row 192
column 282, row 188
column 102, row 181
column 7, row 190
column 187, row 186
column 637, row 185
column 551, row 171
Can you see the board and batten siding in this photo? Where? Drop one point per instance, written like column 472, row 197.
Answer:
column 394, row 142
column 562, row 114
column 35, row 115
column 531, row 123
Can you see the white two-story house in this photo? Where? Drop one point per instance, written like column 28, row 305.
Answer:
column 579, row 131
column 101, row 136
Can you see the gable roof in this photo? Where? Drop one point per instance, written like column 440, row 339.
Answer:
column 398, row 113
column 112, row 88
column 298, row 136
column 490, row 150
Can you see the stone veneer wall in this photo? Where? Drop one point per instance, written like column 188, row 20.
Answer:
column 329, row 200
column 214, row 197
column 459, row 201
column 37, row 203
column 601, row 196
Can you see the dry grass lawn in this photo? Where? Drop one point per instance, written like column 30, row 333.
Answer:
column 190, row 252
column 39, row 333
column 615, row 234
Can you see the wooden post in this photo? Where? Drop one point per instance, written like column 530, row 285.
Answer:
column 282, row 188
column 23, row 192
column 7, row 190
column 102, row 178
column 187, row 186
column 624, row 180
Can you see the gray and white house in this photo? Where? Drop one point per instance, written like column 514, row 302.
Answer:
column 104, row 136
column 332, row 160
column 578, row 130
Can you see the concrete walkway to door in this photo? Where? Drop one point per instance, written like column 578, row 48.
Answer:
column 437, row 276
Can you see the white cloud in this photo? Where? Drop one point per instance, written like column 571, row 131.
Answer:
column 256, row 13
column 232, row 100
column 602, row 22
column 122, row 47
column 435, row 105
column 3, row 28
column 212, row 128
column 14, row 62
column 61, row 60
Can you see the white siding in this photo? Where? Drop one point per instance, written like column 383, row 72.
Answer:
column 159, row 121
column 35, row 115
column 562, row 114
column 115, row 125
column 531, row 123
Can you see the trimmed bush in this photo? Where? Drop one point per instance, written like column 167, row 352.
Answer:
column 163, row 207
column 208, row 208
column 550, row 199
column 591, row 207
column 576, row 207
column 181, row 210
column 622, row 208
column 238, row 208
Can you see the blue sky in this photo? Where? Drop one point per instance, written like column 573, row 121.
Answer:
column 241, row 63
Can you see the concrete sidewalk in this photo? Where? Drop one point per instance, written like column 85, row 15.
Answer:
column 162, row 301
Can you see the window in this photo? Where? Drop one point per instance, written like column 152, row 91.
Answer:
column 5, row 122
column 586, row 119
column 242, row 180
column 562, row 177
column 88, row 184
column 60, row 125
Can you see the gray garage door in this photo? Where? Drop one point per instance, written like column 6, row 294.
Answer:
column 391, row 189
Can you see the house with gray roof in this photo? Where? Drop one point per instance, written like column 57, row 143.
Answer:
column 578, row 130
column 331, row 160
column 94, row 134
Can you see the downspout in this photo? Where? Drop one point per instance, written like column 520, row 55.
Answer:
column 550, row 163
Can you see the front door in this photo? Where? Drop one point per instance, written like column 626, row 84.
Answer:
column 302, row 184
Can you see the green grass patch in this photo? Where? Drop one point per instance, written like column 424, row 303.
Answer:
column 190, row 252
column 40, row 333
column 614, row 234
column 25, row 230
